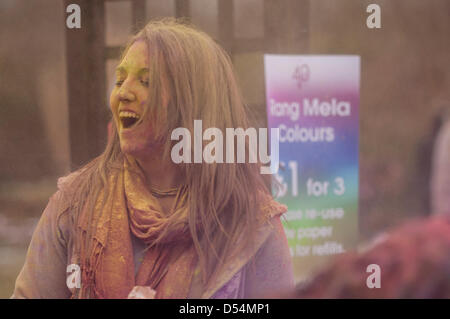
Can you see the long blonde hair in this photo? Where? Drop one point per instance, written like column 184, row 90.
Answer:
column 223, row 199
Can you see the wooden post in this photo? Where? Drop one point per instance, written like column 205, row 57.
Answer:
column 139, row 15
column 88, row 111
column 226, row 25
column 286, row 24
column 182, row 9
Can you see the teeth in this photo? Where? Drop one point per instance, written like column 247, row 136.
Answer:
column 128, row 114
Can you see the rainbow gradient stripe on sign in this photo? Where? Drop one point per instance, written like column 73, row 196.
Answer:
column 314, row 101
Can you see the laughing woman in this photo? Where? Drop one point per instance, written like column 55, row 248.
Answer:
column 132, row 220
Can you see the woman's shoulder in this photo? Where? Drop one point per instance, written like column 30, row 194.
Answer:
column 66, row 183
column 275, row 235
column 270, row 235
column 65, row 189
column 61, row 204
column 271, row 210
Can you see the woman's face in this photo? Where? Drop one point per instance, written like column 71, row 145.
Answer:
column 128, row 100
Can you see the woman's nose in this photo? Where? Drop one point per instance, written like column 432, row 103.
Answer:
column 126, row 95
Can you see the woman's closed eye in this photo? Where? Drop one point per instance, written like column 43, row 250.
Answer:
column 143, row 82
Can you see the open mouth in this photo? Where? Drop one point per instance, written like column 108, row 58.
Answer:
column 128, row 119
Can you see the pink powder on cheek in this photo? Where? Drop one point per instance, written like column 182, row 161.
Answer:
column 139, row 142
column 143, row 105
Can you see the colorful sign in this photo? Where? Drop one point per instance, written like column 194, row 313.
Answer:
column 314, row 101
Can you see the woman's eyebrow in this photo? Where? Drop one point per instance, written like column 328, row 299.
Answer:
column 143, row 71
column 122, row 70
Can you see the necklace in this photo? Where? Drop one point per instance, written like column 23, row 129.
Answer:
column 166, row 193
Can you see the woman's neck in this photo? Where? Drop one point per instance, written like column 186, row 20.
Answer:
column 160, row 174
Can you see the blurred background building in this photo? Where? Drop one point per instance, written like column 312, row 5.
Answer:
column 405, row 81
